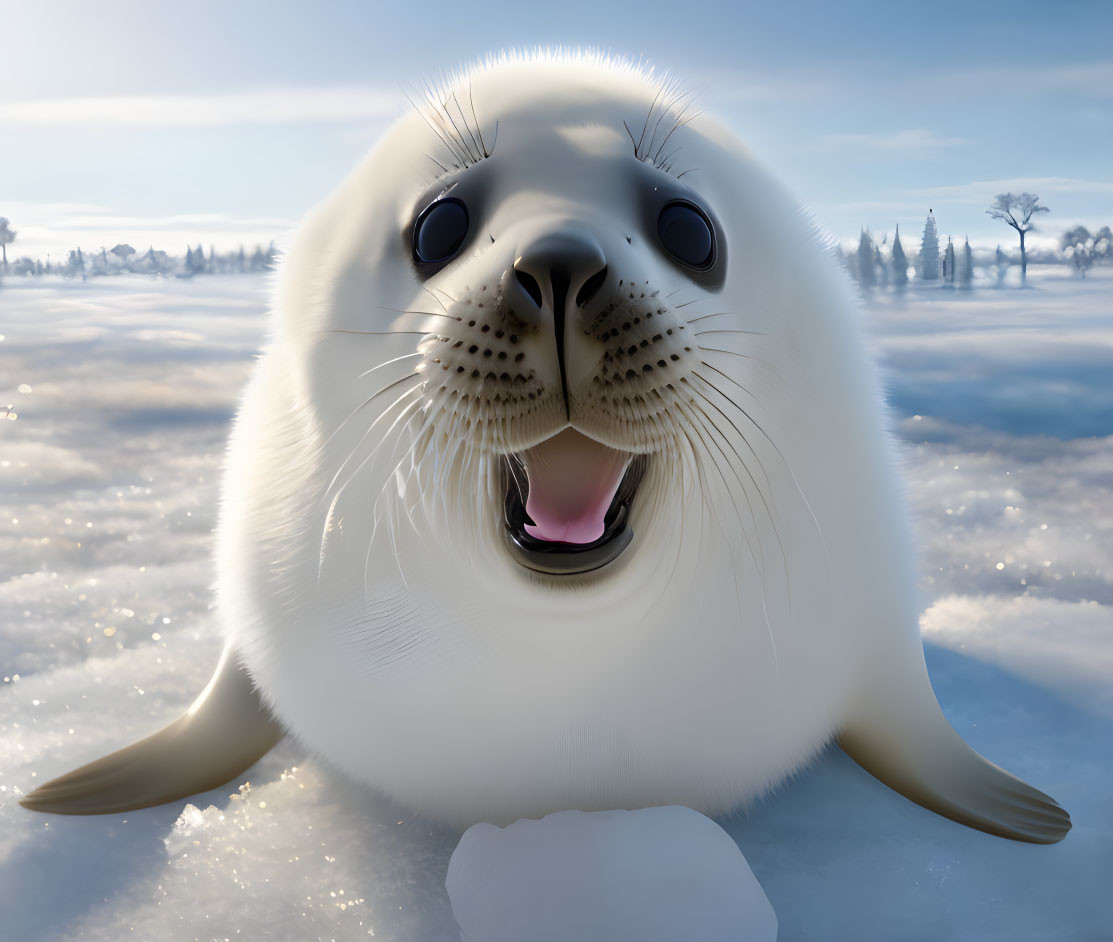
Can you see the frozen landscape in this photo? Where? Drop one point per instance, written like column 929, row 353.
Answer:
column 118, row 394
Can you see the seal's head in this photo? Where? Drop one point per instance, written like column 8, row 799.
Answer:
column 552, row 371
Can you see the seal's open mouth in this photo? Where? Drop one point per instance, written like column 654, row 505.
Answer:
column 568, row 503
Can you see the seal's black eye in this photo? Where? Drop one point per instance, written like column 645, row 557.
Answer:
column 686, row 234
column 440, row 230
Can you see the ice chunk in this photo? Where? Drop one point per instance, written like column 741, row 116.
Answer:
column 652, row 875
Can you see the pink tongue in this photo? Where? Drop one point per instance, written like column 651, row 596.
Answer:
column 572, row 480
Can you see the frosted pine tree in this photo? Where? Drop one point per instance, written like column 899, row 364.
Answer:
column 900, row 263
column 867, row 276
column 929, row 251
column 880, row 267
column 949, row 265
column 966, row 268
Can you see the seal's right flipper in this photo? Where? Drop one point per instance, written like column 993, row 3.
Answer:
column 902, row 738
column 225, row 730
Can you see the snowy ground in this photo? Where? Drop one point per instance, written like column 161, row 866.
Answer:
column 122, row 391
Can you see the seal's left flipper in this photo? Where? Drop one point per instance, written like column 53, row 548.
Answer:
column 225, row 730
column 902, row 738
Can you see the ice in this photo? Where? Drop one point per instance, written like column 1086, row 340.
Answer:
column 652, row 875
column 133, row 384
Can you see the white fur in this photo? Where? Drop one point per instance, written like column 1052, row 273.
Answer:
column 363, row 576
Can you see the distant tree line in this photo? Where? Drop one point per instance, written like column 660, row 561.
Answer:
column 884, row 265
column 123, row 259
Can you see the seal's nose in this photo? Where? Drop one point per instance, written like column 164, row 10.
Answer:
column 558, row 267
column 553, row 273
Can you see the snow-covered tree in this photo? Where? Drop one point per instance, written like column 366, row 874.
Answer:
column 1017, row 211
column 929, row 250
column 966, row 266
column 867, row 276
column 949, row 264
column 154, row 261
column 879, row 266
column 1103, row 244
column 7, row 237
column 75, row 264
column 900, row 262
column 123, row 253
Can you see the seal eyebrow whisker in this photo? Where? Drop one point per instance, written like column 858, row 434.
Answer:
column 475, row 118
column 432, row 127
column 444, row 169
column 681, row 122
column 472, row 156
column 471, row 134
column 645, row 126
column 665, row 110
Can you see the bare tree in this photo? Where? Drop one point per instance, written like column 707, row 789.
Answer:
column 7, row 235
column 1017, row 211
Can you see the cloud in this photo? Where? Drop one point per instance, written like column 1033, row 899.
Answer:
column 909, row 140
column 56, row 227
column 1084, row 79
column 261, row 106
column 979, row 191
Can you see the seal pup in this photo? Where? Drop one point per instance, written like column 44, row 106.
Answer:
column 565, row 483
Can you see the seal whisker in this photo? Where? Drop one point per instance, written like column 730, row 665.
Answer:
column 385, row 438
column 366, row 402
column 705, row 316
column 703, row 333
column 400, row 310
column 404, row 356
column 757, row 487
column 759, row 564
column 784, row 461
column 702, row 423
column 372, row 453
column 734, row 353
column 738, row 431
column 377, row 333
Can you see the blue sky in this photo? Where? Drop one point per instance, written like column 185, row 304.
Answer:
column 151, row 122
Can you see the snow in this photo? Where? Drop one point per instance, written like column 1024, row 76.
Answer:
column 123, row 389
column 654, row 874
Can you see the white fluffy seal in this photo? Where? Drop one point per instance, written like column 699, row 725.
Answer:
column 565, row 483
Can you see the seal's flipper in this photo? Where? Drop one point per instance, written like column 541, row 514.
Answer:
column 225, row 730
column 904, row 740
